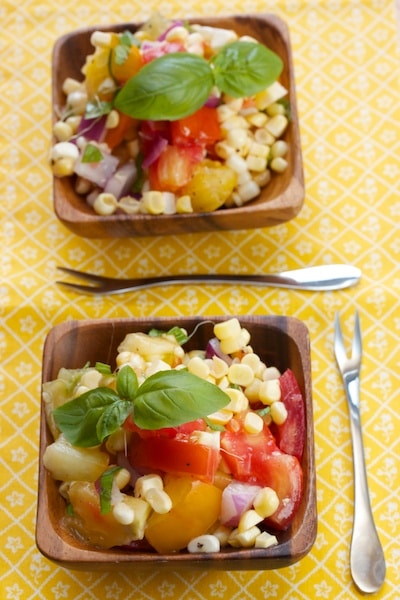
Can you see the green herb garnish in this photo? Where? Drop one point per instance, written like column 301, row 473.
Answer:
column 165, row 399
column 106, row 483
column 175, row 85
column 91, row 154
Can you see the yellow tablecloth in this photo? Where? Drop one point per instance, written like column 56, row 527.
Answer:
column 347, row 72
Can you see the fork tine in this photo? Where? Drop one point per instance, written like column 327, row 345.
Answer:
column 340, row 351
column 356, row 349
column 86, row 276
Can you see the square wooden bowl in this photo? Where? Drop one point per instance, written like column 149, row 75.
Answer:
column 279, row 341
column 280, row 201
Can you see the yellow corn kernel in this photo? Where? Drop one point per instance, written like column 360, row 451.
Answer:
column 101, row 39
column 279, row 148
column 266, row 502
column 270, row 391
column 112, row 120
column 240, row 374
column 223, row 149
column 257, row 119
column 278, row 164
column 82, row 186
column 117, row 442
column 177, row 34
column 130, row 206
column 277, row 125
column 159, row 501
column 184, row 204
column 234, row 344
column 248, row 191
column 71, row 85
column 271, row 373
column 278, row 412
column 252, row 391
column 105, row 204
column 220, row 417
column 245, row 539
column 264, row 137
column 265, row 540
column 227, row 329
column 256, row 163
column 199, row 367
column 253, row 423
column 262, row 179
column 222, row 533
column 235, row 122
column 248, row 519
column 225, row 112
column 123, row 513
column 236, row 163
column 218, row 367
column 147, row 482
column 238, row 401
column 153, row 203
column 238, row 138
column 275, row 109
column 206, row 438
column 253, row 361
column 271, row 94
column 62, row 131
column 63, row 167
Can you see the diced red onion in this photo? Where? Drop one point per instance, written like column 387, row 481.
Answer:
column 156, row 147
column 92, row 129
column 98, row 172
column 213, row 348
column 237, row 497
column 121, row 182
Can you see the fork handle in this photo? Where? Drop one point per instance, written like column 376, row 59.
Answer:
column 367, row 561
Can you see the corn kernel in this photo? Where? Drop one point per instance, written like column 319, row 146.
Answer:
column 252, row 391
column 265, row 540
column 238, row 401
column 112, row 120
column 257, row 119
column 199, row 367
column 130, row 206
column 240, row 374
column 271, row 94
column 277, row 125
column 63, row 167
column 275, row 109
column 218, row 367
column 123, row 513
column 220, row 417
column 184, row 204
column 256, row 163
column 105, row 204
column 262, row 179
column 159, row 501
column 222, row 533
column 278, row 164
column 223, row 149
column 253, row 423
column 271, row 373
column 248, row 191
column 248, row 519
column 62, row 131
column 234, row 344
column 236, row 163
column 206, row 438
column 71, row 85
column 245, row 539
column 147, row 482
column 270, row 391
column 266, row 502
column 153, row 203
column 278, row 412
column 279, row 148
column 227, row 329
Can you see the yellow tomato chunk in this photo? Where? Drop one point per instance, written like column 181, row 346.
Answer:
column 195, row 508
column 211, row 185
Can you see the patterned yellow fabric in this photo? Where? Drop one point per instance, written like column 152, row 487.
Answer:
column 347, row 72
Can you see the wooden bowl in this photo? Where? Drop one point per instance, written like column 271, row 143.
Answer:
column 279, row 201
column 280, row 341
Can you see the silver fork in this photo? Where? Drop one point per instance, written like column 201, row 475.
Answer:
column 367, row 561
column 317, row 278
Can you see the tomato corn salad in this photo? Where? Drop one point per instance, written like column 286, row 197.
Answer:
column 174, row 118
column 177, row 450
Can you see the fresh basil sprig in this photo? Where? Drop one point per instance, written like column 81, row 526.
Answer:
column 175, row 85
column 165, row 399
column 106, row 483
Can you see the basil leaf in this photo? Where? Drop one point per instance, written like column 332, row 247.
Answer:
column 91, row 154
column 106, row 483
column 127, row 383
column 78, row 418
column 167, row 88
column 112, row 417
column 244, row 68
column 171, row 398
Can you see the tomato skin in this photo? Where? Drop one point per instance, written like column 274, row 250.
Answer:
column 116, row 135
column 171, row 432
column 176, row 455
column 172, row 170
column 202, row 126
column 256, row 459
column 290, row 435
